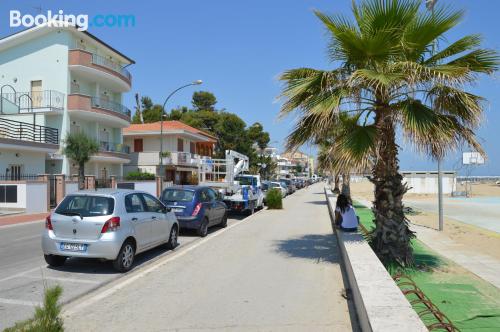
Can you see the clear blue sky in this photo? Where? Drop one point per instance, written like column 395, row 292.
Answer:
column 239, row 47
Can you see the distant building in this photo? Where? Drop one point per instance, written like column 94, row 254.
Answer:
column 183, row 145
column 425, row 182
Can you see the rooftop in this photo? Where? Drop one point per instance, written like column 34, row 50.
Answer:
column 155, row 128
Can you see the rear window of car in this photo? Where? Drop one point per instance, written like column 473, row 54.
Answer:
column 265, row 186
column 177, row 195
column 86, row 206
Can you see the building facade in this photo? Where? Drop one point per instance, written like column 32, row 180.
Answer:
column 183, row 146
column 70, row 81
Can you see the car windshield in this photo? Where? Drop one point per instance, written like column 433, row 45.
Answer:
column 285, row 182
column 265, row 186
column 86, row 206
column 244, row 180
column 177, row 195
column 275, row 185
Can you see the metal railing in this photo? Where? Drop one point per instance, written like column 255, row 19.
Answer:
column 181, row 158
column 114, row 66
column 41, row 99
column 110, row 105
column 113, row 147
column 28, row 132
column 9, row 176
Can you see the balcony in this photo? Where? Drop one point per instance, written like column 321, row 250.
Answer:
column 113, row 147
column 27, row 136
column 99, row 109
column 35, row 101
column 96, row 67
column 175, row 159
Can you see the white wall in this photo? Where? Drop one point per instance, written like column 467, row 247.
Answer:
column 31, row 196
column 152, row 143
column 147, row 186
column 428, row 183
column 32, row 162
column 36, row 197
column 71, row 187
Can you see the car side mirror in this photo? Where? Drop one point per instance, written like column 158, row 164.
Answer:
column 168, row 209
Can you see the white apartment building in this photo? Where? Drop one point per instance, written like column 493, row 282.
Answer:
column 54, row 81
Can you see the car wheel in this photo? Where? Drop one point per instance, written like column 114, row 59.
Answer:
column 203, row 230
column 223, row 223
column 55, row 260
column 125, row 258
column 173, row 239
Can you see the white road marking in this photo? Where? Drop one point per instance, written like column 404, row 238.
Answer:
column 62, row 279
column 20, row 302
column 141, row 273
column 22, row 224
column 17, row 275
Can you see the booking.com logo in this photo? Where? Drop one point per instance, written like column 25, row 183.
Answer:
column 81, row 21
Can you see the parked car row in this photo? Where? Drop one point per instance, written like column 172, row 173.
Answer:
column 117, row 224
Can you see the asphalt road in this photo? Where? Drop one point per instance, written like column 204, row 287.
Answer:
column 278, row 270
column 24, row 274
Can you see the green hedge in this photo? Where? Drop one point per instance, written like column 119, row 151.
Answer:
column 274, row 199
column 140, row 176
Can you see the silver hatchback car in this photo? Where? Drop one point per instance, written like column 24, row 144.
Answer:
column 111, row 224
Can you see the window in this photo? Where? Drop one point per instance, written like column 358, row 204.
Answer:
column 138, row 145
column 212, row 196
column 180, row 145
column 204, row 196
column 86, row 206
column 192, row 147
column 177, row 195
column 133, row 203
column 152, row 204
column 15, row 172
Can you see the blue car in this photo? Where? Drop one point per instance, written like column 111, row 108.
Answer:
column 196, row 207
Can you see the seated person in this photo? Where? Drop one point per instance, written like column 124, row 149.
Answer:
column 345, row 215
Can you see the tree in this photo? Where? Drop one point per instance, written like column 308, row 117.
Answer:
column 79, row 148
column 389, row 76
column 231, row 134
column 204, row 101
column 137, row 118
column 257, row 134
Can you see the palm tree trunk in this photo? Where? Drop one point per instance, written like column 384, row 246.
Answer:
column 336, row 189
column 391, row 236
column 81, row 176
column 346, row 185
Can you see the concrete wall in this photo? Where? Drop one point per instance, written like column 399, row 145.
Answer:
column 71, row 187
column 32, row 162
column 427, row 182
column 31, row 196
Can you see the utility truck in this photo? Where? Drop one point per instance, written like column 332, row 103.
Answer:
column 241, row 192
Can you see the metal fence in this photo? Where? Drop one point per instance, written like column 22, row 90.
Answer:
column 28, row 132
column 114, row 66
column 110, row 105
column 18, row 177
column 113, row 147
column 34, row 100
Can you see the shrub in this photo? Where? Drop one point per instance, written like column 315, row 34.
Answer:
column 274, row 199
column 46, row 318
column 139, row 176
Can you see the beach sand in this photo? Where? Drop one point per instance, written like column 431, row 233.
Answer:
column 473, row 238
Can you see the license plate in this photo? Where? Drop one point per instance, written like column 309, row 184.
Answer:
column 81, row 247
column 177, row 209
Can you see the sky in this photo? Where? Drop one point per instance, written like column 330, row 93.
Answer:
column 238, row 48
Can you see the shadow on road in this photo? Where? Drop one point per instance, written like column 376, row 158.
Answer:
column 320, row 248
column 317, row 202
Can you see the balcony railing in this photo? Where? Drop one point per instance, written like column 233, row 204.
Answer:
column 50, row 99
column 181, row 158
column 28, row 132
column 113, row 147
column 110, row 106
column 102, row 61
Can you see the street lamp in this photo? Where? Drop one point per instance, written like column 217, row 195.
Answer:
column 197, row 82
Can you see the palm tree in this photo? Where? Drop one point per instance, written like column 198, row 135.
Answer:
column 389, row 76
column 79, row 148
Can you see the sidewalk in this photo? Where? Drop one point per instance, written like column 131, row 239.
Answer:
column 22, row 218
column 485, row 267
column 278, row 270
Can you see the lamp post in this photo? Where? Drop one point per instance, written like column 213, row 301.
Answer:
column 197, row 82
